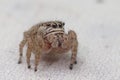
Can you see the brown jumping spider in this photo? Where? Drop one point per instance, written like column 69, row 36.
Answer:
column 48, row 37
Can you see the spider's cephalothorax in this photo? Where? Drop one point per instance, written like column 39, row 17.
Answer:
column 48, row 37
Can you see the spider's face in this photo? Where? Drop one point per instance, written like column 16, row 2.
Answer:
column 58, row 24
column 54, row 27
column 55, row 24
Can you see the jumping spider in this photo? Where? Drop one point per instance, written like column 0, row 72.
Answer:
column 48, row 37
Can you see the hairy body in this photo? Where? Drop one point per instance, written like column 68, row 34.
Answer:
column 48, row 37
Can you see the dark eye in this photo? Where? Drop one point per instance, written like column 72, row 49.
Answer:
column 54, row 26
column 48, row 24
column 60, row 25
column 63, row 23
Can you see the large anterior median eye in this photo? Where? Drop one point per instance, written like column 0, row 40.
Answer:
column 60, row 25
column 48, row 24
column 54, row 26
column 63, row 23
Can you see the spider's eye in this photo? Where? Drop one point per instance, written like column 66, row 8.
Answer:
column 60, row 25
column 48, row 24
column 63, row 23
column 54, row 26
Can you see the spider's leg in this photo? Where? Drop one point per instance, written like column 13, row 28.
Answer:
column 37, row 59
column 21, row 45
column 39, row 46
column 74, row 42
column 28, row 55
column 29, row 51
column 73, row 57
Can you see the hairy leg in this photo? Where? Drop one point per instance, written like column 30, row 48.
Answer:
column 37, row 59
column 28, row 55
column 29, row 51
column 74, row 42
column 21, row 50
column 73, row 57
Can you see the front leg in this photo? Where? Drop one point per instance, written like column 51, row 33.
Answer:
column 37, row 59
column 28, row 55
column 74, row 46
column 39, row 44
column 21, row 45
column 29, row 51
column 73, row 57
column 21, row 50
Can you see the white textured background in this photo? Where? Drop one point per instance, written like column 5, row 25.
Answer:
column 97, row 26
